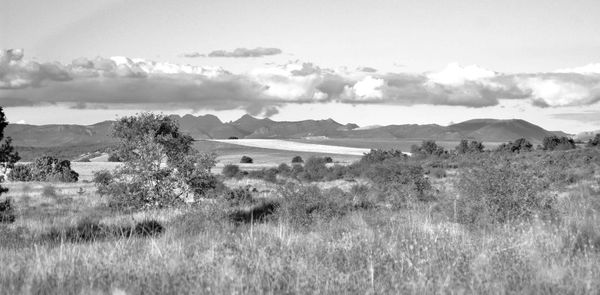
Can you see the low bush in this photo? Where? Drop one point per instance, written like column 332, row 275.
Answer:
column 45, row 168
column 594, row 142
column 20, row 173
column 114, row 157
column 302, row 205
column 551, row 143
column 258, row 213
column 490, row 195
column 519, row 146
column 400, row 183
column 269, row 174
column 7, row 212
column 231, row 170
column 246, row 160
column 49, row 191
column 91, row 230
column 297, row 159
column 238, row 196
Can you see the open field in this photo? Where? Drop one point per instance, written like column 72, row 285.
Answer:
column 368, row 251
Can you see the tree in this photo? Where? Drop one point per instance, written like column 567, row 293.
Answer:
column 8, row 158
column 428, row 148
column 469, row 147
column 554, row 142
column 594, row 142
column 246, row 160
column 160, row 166
column 520, row 145
column 297, row 159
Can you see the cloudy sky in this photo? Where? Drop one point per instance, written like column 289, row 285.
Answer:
column 367, row 62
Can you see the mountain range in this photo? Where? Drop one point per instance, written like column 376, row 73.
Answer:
column 211, row 127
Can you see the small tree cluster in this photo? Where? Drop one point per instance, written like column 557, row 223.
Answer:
column 246, row 160
column 160, row 167
column 520, row 145
column 594, row 142
column 428, row 148
column 297, row 160
column 45, row 168
column 377, row 155
column 469, row 147
column 552, row 143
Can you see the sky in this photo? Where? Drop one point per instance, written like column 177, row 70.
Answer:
column 366, row 62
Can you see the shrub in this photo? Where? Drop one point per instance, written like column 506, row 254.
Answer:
column 520, row 145
column 595, row 141
column 400, row 182
column 114, row 157
column 377, row 156
column 303, row 205
column 148, row 228
column 297, row 159
column 237, row 196
column 437, row 172
column 49, row 191
column 257, row 213
column 230, row 170
column 103, row 179
column 315, row 169
column 490, row 195
column 269, row 175
column 7, row 212
column 142, row 182
column 328, row 160
column 20, row 173
column 469, row 147
column 551, row 143
column 284, row 169
column 246, row 160
column 428, row 148
column 232, row 137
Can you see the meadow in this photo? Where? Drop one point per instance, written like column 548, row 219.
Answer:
column 363, row 234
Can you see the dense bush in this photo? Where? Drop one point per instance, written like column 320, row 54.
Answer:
column 400, row 183
column 20, row 172
column 269, row 174
column 7, row 212
column 230, row 170
column 520, row 145
column 595, row 141
column 246, row 160
column 297, row 159
column 377, row 155
column 491, row 194
column 469, row 147
column 428, row 148
column 238, row 196
column 114, row 157
column 551, row 143
column 302, row 205
column 91, row 230
column 45, row 168
column 328, row 160
column 146, row 143
column 315, row 169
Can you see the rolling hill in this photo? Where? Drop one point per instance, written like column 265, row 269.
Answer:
column 211, row 127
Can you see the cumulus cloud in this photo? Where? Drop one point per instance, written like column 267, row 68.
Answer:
column 246, row 52
column 135, row 82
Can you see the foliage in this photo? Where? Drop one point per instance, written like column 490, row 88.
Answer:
column 595, row 141
column 7, row 212
column 301, row 205
column 378, row 155
column 160, row 166
column 399, row 182
column 520, row 145
column 297, row 159
column 469, row 147
column 114, row 157
column 246, row 160
column 230, row 170
column 20, row 172
column 237, row 196
column 428, row 148
column 490, row 194
column 8, row 155
column 551, row 143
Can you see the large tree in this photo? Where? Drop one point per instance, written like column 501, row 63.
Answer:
column 160, row 166
column 8, row 158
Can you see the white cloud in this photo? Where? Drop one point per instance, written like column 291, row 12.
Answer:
column 454, row 74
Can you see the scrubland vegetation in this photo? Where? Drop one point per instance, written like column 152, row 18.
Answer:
column 517, row 219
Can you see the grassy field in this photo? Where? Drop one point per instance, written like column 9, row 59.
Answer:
column 67, row 240
column 385, row 143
